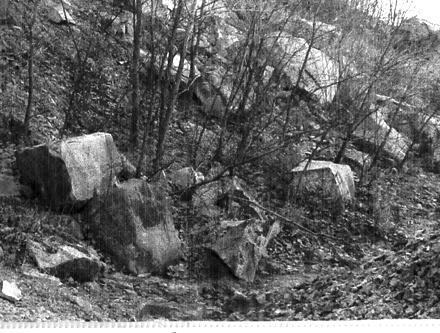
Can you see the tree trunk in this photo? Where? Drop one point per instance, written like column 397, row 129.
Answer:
column 165, row 120
column 137, row 21
column 30, row 90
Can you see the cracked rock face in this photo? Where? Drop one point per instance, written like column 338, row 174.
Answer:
column 132, row 222
column 241, row 245
column 375, row 132
column 66, row 173
column 321, row 72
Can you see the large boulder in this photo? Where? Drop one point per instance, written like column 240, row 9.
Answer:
column 423, row 128
column 66, row 173
column 320, row 74
column 332, row 183
column 58, row 12
column 240, row 245
column 66, row 261
column 403, row 117
column 375, row 133
column 132, row 222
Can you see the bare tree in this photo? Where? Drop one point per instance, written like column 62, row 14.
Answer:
column 167, row 112
column 30, row 18
column 137, row 36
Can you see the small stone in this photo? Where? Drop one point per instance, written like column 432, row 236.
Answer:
column 185, row 178
column 157, row 310
column 82, row 303
column 394, row 282
column 10, row 291
column 238, row 303
column 92, row 286
column 261, row 299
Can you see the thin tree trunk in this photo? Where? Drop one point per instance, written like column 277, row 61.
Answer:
column 30, row 99
column 137, row 20
column 300, row 75
column 165, row 120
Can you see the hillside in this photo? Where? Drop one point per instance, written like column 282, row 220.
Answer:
column 196, row 160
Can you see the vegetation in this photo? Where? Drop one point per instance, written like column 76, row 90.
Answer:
column 249, row 88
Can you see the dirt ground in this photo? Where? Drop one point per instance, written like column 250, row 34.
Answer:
column 370, row 276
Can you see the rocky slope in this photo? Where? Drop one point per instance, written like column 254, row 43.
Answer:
column 352, row 243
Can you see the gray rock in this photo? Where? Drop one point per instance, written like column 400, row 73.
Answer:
column 321, row 73
column 59, row 15
column 185, row 178
column 333, row 183
column 64, row 261
column 132, row 222
column 205, row 200
column 66, row 173
column 170, row 310
column 162, row 309
column 10, row 291
column 84, row 304
column 241, row 245
column 357, row 159
column 374, row 131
